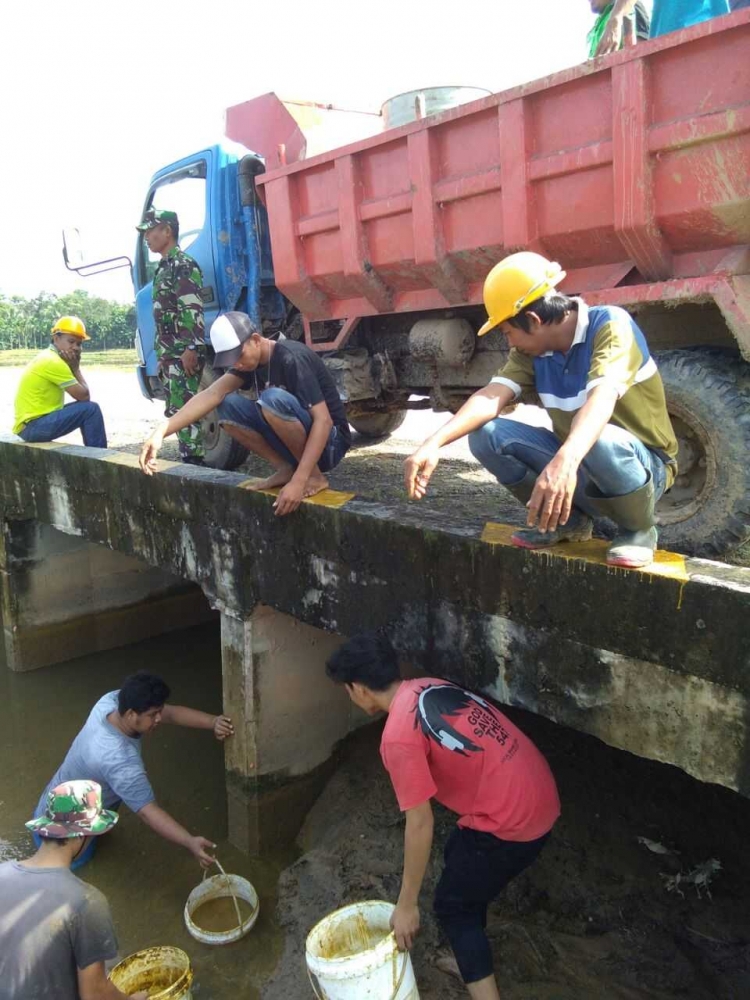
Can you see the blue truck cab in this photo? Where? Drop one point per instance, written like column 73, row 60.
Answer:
column 224, row 227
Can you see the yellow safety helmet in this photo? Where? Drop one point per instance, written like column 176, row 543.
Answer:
column 514, row 282
column 71, row 325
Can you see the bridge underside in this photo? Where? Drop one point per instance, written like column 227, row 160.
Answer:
column 657, row 663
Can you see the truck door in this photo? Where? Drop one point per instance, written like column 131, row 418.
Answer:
column 182, row 187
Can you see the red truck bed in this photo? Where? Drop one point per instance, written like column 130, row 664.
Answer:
column 631, row 169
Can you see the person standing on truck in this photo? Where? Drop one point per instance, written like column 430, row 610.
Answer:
column 40, row 410
column 442, row 742
column 611, row 451
column 635, row 26
column 298, row 422
column 56, row 931
column 178, row 315
column 666, row 16
column 108, row 749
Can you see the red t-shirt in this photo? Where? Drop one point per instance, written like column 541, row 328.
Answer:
column 443, row 742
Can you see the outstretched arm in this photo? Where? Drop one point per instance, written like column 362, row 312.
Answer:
column 193, row 718
column 479, row 409
column 162, row 823
column 417, row 847
column 193, row 411
column 612, row 37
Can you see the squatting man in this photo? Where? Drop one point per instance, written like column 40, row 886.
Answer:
column 611, row 451
column 297, row 423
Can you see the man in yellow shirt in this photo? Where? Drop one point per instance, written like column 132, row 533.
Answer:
column 39, row 411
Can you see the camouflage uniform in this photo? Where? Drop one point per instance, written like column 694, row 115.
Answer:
column 74, row 809
column 178, row 313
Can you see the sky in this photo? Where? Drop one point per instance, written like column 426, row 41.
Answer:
column 95, row 97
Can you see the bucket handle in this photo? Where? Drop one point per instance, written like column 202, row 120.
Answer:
column 231, row 890
column 392, row 996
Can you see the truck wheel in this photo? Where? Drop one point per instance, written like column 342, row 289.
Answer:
column 222, row 451
column 377, row 425
column 707, row 511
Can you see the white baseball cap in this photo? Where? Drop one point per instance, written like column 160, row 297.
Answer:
column 228, row 333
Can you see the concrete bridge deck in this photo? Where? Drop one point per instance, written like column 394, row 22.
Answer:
column 654, row 662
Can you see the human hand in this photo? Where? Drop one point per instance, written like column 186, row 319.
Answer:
column 405, row 924
column 418, row 469
column 149, row 451
column 71, row 356
column 612, row 37
column 290, row 497
column 190, row 361
column 199, row 847
column 223, row 727
column 552, row 497
column 140, row 995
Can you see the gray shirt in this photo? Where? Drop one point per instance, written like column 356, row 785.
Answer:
column 104, row 754
column 51, row 925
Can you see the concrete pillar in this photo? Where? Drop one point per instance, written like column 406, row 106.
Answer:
column 62, row 597
column 288, row 718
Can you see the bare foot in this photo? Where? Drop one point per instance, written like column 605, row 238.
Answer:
column 315, row 484
column 280, row 478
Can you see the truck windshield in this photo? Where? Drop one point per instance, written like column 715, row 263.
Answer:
column 185, row 194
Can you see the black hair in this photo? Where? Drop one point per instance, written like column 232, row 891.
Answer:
column 140, row 692
column 175, row 227
column 551, row 308
column 368, row 658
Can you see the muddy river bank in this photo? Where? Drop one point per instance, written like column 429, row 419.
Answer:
column 593, row 919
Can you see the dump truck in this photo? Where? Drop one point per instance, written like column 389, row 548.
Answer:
column 632, row 171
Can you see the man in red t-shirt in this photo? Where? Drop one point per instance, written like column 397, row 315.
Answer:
column 442, row 742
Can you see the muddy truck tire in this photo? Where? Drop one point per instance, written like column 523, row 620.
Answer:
column 222, row 451
column 707, row 511
column 377, row 425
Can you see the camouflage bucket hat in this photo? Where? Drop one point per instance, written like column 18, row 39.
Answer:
column 155, row 217
column 74, row 809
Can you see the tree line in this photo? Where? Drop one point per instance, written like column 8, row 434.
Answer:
column 26, row 323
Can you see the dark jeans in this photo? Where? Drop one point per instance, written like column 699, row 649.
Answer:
column 243, row 412
column 478, row 866
column 53, row 425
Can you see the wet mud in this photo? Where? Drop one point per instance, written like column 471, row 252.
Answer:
column 593, row 919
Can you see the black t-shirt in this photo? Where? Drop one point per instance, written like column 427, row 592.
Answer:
column 301, row 372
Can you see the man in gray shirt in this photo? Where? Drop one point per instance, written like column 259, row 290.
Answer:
column 108, row 750
column 55, row 931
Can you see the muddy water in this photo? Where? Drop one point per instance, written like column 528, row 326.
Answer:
column 145, row 879
column 219, row 915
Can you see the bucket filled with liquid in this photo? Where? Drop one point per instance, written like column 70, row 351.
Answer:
column 165, row 973
column 222, row 909
column 352, row 955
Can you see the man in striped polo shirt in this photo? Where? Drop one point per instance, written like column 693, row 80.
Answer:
column 611, row 451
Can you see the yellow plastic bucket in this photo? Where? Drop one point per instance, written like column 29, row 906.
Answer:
column 218, row 887
column 352, row 955
column 164, row 972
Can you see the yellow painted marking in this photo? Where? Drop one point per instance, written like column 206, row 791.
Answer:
column 326, row 498
column 121, row 458
column 668, row 564
column 46, row 445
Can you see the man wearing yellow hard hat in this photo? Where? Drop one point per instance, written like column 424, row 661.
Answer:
column 611, row 451
column 40, row 413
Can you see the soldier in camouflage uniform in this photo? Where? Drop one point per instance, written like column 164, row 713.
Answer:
column 178, row 313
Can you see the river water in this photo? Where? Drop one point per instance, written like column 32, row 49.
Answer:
column 145, row 879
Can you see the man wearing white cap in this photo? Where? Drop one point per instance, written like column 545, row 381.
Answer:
column 298, row 422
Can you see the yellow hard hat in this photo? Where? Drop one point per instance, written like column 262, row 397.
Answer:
column 514, row 282
column 71, row 325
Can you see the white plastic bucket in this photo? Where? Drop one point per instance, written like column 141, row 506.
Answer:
column 217, row 887
column 165, row 973
column 352, row 955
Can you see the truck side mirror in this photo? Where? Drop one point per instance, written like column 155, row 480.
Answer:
column 74, row 260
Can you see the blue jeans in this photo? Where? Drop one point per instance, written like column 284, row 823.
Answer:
column 240, row 411
column 617, row 464
column 53, row 425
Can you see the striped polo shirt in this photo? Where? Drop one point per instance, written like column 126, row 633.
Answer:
column 609, row 347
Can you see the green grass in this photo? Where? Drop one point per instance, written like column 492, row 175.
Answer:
column 117, row 358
